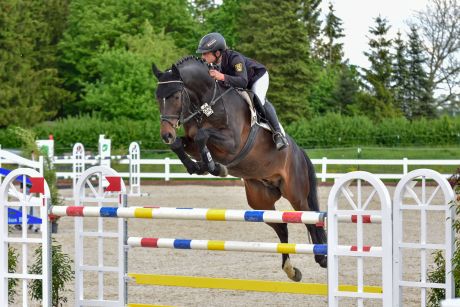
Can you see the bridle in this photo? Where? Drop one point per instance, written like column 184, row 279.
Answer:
column 168, row 118
column 205, row 108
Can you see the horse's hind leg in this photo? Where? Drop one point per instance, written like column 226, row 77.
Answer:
column 318, row 236
column 291, row 271
column 261, row 197
column 302, row 194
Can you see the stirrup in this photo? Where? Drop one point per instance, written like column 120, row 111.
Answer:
column 280, row 140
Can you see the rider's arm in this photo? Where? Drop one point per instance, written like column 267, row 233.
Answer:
column 239, row 75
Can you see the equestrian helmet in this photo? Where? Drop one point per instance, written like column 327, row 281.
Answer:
column 211, row 43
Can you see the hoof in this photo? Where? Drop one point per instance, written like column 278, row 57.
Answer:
column 292, row 272
column 219, row 170
column 223, row 171
column 321, row 260
column 297, row 276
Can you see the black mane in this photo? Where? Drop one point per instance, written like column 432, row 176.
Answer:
column 191, row 68
column 188, row 58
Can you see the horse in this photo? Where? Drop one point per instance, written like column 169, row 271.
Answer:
column 219, row 136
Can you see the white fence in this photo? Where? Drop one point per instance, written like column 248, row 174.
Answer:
column 69, row 167
column 323, row 174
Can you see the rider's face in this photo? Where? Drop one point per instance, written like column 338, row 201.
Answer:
column 209, row 57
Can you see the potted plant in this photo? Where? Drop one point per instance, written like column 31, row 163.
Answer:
column 62, row 273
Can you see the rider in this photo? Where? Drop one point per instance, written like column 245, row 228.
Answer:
column 239, row 71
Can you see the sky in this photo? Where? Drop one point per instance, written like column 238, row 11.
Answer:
column 358, row 16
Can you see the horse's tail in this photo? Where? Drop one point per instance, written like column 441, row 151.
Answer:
column 313, row 195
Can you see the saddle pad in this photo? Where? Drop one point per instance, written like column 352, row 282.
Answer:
column 252, row 110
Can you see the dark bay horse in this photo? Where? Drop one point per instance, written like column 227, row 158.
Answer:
column 218, row 135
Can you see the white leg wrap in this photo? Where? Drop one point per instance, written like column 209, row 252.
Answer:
column 289, row 269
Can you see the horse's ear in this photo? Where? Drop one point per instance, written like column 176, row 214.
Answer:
column 158, row 73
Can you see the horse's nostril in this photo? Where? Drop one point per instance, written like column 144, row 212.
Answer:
column 168, row 138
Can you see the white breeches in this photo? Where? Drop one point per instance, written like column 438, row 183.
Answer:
column 260, row 87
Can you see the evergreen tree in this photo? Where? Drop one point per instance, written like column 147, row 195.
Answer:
column 311, row 13
column 400, row 76
column 344, row 96
column 420, row 98
column 378, row 76
column 331, row 50
column 30, row 88
column 274, row 35
column 321, row 97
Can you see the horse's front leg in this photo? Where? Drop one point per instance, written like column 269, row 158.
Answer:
column 214, row 168
column 178, row 148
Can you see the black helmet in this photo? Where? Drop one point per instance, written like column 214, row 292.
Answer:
column 211, row 43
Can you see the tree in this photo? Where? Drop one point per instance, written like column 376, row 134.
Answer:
column 419, row 98
column 400, row 75
column 331, row 50
column 30, row 89
column 311, row 14
column 378, row 76
column 273, row 34
column 344, row 95
column 224, row 19
column 95, row 27
column 321, row 93
column 201, row 7
column 438, row 25
column 125, row 87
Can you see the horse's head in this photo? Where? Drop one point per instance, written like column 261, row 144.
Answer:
column 169, row 97
column 189, row 77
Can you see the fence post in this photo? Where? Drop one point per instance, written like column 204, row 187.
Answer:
column 167, row 169
column 323, row 169
column 405, row 166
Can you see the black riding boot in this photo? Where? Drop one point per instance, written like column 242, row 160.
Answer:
column 278, row 137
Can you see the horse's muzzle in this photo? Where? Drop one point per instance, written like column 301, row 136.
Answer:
column 167, row 132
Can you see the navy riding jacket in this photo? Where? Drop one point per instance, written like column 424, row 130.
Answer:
column 240, row 71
